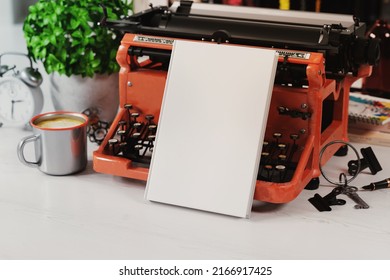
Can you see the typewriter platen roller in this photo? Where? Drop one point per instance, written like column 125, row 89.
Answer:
column 318, row 62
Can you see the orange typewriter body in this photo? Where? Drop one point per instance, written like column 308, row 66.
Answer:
column 301, row 120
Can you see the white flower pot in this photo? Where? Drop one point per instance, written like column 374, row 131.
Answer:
column 77, row 94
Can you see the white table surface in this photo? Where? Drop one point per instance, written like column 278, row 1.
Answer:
column 99, row 216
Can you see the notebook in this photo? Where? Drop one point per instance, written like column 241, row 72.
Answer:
column 211, row 127
column 368, row 112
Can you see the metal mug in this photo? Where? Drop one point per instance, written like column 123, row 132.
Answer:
column 60, row 140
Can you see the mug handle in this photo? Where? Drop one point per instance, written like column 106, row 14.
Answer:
column 20, row 150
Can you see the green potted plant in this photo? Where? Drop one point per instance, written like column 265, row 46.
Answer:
column 66, row 37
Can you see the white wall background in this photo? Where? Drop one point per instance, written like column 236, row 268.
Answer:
column 6, row 12
column 14, row 11
column 10, row 31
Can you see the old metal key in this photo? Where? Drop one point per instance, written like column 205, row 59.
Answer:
column 351, row 193
column 342, row 184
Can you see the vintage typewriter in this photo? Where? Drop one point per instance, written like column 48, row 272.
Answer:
column 320, row 56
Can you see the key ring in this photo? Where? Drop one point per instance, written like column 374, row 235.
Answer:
column 346, row 182
column 343, row 182
column 344, row 185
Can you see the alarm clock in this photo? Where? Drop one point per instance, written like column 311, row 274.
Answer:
column 21, row 97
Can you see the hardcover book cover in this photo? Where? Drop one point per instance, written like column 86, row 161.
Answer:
column 211, row 127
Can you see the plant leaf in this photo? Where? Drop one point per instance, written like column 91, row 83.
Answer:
column 53, row 39
column 74, row 23
column 64, row 35
column 57, row 31
column 95, row 63
column 77, row 34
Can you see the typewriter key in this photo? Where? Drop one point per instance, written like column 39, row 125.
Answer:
column 282, row 146
column 264, row 154
column 135, row 135
column 113, row 142
column 282, row 157
column 269, row 168
column 151, row 139
column 128, row 107
column 266, row 146
column 137, row 125
column 281, row 169
column 135, row 115
column 294, row 137
column 149, row 144
column 122, row 134
column 122, row 125
column 152, row 127
column 149, row 118
column 277, row 136
column 138, row 147
column 122, row 147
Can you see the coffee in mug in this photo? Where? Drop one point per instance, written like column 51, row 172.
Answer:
column 60, row 141
column 59, row 122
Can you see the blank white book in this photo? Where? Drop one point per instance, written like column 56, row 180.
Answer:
column 211, row 127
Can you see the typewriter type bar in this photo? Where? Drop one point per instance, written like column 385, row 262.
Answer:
column 309, row 103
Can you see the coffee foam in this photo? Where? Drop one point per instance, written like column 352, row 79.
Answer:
column 59, row 122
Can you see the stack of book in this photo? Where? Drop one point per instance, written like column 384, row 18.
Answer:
column 369, row 119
